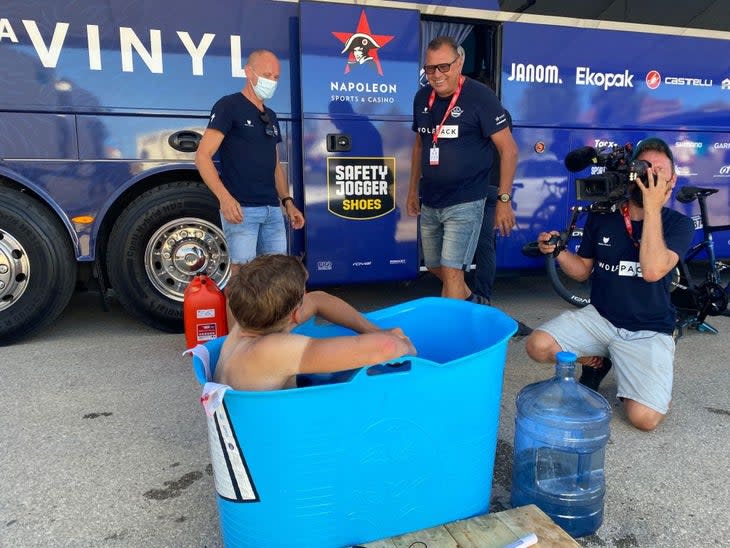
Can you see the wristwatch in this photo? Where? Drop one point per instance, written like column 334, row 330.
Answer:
column 504, row 197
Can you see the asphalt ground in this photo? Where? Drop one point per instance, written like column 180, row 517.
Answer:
column 103, row 441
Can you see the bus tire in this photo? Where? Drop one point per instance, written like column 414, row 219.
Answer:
column 37, row 266
column 152, row 246
column 576, row 293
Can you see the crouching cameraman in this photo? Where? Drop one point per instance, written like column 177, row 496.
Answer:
column 629, row 256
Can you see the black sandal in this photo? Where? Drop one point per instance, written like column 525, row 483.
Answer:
column 592, row 376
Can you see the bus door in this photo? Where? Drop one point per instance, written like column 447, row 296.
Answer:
column 359, row 73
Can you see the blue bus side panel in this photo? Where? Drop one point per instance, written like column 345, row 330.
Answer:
column 77, row 101
column 78, row 93
column 355, row 200
column 41, row 136
column 383, row 85
column 540, row 192
column 614, row 79
column 87, row 68
column 614, row 86
column 340, row 246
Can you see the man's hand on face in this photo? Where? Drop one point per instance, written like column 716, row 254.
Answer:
column 658, row 191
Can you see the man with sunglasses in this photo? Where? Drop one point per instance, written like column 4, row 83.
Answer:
column 251, row 186
column 462, row 131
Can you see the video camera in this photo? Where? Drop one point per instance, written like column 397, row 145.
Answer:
column 620, row 171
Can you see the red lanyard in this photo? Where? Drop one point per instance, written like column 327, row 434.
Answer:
column 448, row 110
column 627, row 222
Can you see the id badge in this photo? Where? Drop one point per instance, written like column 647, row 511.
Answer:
column 434, row 158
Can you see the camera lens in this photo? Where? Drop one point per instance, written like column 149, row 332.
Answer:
column 637, row 171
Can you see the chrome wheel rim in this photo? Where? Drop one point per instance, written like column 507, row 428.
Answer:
column 14, row 270
column 182, row 249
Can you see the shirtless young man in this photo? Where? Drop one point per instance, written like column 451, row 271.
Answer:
column 267, row 298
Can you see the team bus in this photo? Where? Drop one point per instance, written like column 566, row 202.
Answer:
column 103, row 104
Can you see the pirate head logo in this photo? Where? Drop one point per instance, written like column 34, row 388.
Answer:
column 359, row 46
column 362, row 46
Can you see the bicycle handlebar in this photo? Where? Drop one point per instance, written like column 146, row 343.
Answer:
column 532, row 249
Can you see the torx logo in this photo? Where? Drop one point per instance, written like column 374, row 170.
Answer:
column 603, row 143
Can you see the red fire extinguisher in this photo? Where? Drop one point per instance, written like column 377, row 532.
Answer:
column 204, row 311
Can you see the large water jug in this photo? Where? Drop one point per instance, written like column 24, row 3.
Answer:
column 561, row 431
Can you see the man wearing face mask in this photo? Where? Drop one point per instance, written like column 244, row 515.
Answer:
column 251, row 186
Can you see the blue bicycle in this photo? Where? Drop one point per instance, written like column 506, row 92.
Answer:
column 695, row 301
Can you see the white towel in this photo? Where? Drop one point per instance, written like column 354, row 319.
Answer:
column 213, row 392
column 212, row 397
column 201, row 352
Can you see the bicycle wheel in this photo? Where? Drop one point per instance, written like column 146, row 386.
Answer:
column 720, row 279
column 576, row 293
column 714, row 285
column 724, row 275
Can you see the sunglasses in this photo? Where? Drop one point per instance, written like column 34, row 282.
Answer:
column 443, row 67
column 270, row 129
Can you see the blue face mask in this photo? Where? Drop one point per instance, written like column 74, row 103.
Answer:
column 264, row 88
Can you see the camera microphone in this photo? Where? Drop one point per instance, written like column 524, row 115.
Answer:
column 581, row 158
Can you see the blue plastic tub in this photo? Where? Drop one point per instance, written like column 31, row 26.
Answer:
column 378, row 452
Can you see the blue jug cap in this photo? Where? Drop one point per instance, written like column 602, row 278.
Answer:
column 565, row 357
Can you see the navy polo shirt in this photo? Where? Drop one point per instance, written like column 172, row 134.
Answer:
column 466, row 152
column 247, row 154
column 618, row 291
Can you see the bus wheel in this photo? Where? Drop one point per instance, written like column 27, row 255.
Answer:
column 158, row 244
column 37, row 266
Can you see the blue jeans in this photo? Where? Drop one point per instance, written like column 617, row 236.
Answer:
column 262, row 232
column 449, row 235
column 485, row 257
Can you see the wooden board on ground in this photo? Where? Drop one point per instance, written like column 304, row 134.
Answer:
column 488, row 531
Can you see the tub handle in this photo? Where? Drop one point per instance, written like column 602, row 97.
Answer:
column 384, row 368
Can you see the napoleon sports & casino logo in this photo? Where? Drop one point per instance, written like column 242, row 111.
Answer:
column 363, row 68
column 361, row 188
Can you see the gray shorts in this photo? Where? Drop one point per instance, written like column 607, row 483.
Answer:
column 449, row 235
column 643, row 360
